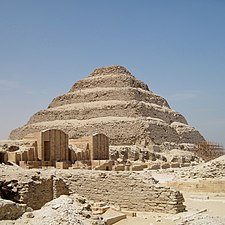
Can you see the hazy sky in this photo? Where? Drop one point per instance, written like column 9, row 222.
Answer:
column 177, row 47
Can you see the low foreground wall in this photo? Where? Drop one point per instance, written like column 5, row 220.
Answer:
column 126, row 190
column 131, row 191
column 34, row 193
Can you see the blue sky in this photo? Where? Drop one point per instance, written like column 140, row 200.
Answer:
column 177, row 47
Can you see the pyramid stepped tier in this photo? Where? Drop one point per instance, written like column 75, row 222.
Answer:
column 121, row 130
column 105, row 94
column 108, row 80
column 112, row 101
column 90, row 110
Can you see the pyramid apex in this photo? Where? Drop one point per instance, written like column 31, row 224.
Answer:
column 110, row 70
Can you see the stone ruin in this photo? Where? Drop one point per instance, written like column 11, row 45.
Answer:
column 52, row 148
column 113, row 102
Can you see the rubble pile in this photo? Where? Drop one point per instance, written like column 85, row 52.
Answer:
column 211, row 169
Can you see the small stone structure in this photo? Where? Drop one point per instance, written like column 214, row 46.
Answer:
column 52, row 145
column 51, row 148
column 94, row 147
column 90, row 152
column 48, row 147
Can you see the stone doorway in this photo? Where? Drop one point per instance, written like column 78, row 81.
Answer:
column 46, row 150
column 2, row 157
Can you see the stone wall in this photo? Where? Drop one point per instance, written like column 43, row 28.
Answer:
column 125, row 189
column 35, row 192
column 135, row 191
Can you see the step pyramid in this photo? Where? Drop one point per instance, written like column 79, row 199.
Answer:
column 112, row 101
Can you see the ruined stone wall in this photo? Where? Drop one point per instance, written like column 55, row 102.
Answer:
column 126, row 190
column 81, row 148
column 35, row 192
column 36, row 138
column 97, row 145
column 131, row 191
column 13, row 157
column 83, row 143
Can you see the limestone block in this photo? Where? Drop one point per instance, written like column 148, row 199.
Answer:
column 47, row 163
column 14, row 157
column 33, row 164
column 154, row 166
column 119, row 167
column 174, row 165
column 111, row 216
column 23, row 164
column 62, row 165
column 104, row 165
column 165, row 165
column 185, row 164
column 137, row 167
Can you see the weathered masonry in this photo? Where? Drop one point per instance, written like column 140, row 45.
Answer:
column 34, row 193
column 53, row 148
column 52, row 145
column 46, row 148
column 126, row 190
column 94, row 147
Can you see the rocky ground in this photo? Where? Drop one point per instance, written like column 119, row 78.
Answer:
column 212, row 169
column 202, row 208
column 71, row 209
